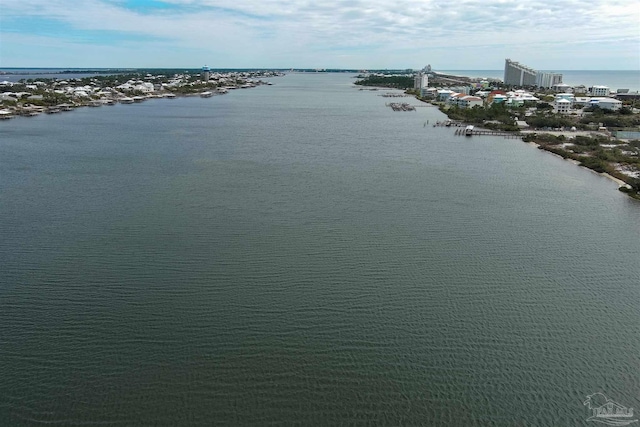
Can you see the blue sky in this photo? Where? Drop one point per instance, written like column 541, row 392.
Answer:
column 465, row 34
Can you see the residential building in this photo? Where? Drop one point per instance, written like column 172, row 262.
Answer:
column 444, row 94
column 462, row 89
column 562, row 106
column 606, row 103
column 562, row 88
column 469, row 101
column 567, row 96
column 599, row 90
column 497, row 98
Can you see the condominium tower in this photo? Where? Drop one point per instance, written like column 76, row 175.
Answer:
column 516, row 74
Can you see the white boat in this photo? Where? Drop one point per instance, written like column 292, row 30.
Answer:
column 127, row 100
column 468, row 131
column 5, row 115
column 206, row 94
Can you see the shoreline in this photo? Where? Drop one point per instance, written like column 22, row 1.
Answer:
column 623, row 186
column 29, row 97
column 618, row 181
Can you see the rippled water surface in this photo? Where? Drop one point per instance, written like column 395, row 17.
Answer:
column 301, row 254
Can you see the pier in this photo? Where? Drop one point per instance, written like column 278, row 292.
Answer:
column 508, row 135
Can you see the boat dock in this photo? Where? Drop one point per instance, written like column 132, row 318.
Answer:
column 471, row 132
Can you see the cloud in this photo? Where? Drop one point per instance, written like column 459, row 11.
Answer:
column 290, row 30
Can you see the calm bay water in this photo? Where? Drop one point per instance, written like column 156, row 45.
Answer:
column 300, row 254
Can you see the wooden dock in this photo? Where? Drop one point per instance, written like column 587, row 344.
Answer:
column 508, row 135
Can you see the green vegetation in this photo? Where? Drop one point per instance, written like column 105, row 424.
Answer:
column 499, row 116
column 623, row 118
column 396, row 82
column 589, row 151
column 550, row 121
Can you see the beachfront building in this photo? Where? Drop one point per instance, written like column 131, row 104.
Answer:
column 548, row 80
column 599, row 90
column 516, row 74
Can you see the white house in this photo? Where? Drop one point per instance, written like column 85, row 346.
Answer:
column 562, row 106
column 581, row 100
column 599, row 90
column 521, row 96
column 567, row 96
column 444, row 94
column 606, row 103
column 453, row 98
column 498, row 99
column 144, row 87
column 562, row 87
column 469, row 101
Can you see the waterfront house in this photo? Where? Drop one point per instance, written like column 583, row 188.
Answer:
column 469, row 101
column 444, row 94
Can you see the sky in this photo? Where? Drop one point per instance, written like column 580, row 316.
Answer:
column 354, row 34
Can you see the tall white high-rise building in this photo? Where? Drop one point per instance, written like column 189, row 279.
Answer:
column 421, row 81
column 548, row 79
column 516, row 74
